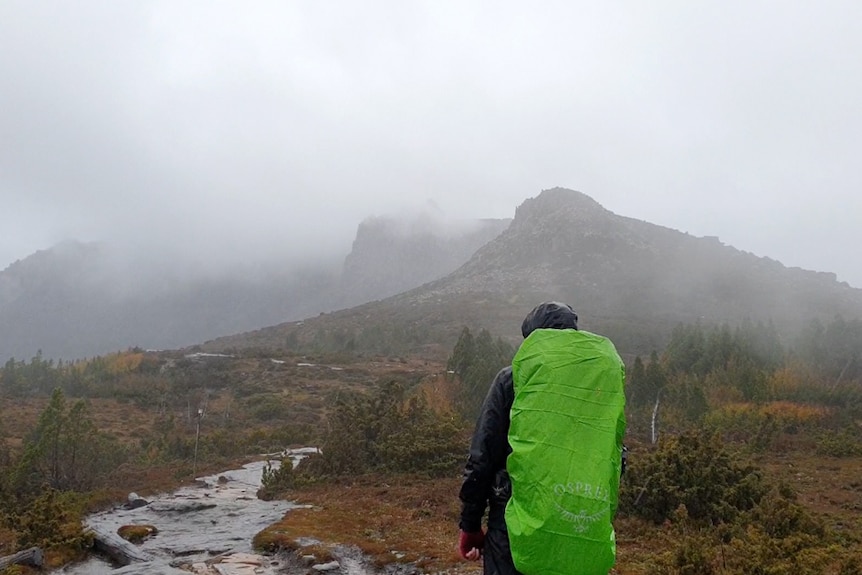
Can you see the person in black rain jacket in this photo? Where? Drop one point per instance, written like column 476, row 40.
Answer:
column 486, row 482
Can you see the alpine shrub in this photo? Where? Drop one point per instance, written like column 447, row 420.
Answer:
column 692, row 470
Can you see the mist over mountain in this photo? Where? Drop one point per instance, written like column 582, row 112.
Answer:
column 629, row 279
column 392, row 255
column 79, row 300
column 411, row 282
column 84, row 299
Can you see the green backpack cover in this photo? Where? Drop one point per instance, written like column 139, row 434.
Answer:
column 566, row 433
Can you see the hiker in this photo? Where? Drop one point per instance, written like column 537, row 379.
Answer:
column 549, row 480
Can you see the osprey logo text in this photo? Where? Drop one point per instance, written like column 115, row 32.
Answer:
column 580, row 520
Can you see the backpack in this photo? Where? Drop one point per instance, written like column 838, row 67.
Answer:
column 566, row 432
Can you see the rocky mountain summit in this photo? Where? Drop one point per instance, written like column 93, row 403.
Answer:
column 562, row 244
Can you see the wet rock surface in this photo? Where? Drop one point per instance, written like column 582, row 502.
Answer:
column 195, row 524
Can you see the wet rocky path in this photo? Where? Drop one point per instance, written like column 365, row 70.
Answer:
column 207, row 529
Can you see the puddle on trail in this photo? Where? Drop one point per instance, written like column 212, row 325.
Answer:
column 218, row 516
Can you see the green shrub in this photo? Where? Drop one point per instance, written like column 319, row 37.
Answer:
column 387, row 432
column 694, row 556
column 693, row 470
column 780, row 516
column 422, row 442
column 50, row 520
column 275, row 481
column 838, row 444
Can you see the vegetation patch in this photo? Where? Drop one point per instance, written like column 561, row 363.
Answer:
column 400, row 518
column 720, row 514
column 136, row 533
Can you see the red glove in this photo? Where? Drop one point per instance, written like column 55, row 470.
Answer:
column 469, row 541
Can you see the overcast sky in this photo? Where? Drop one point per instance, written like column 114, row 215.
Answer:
column 233, row 128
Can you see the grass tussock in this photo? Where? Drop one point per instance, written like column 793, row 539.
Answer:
column 136, row 533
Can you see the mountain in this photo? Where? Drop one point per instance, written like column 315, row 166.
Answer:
column 629, row 279
column 83, row 299
column 424, row 279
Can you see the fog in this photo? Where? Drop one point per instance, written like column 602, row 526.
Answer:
column 228, row 132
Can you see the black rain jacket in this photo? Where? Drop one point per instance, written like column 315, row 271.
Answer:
column 486, row 483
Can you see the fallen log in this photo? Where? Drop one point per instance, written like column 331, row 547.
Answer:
column 118, row 549
column 32, row 557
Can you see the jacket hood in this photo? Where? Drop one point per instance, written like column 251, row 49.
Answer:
column 549, row 315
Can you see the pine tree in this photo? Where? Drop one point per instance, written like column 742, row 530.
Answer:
column 64, row 451
column 476, row 361
column 40, row 463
